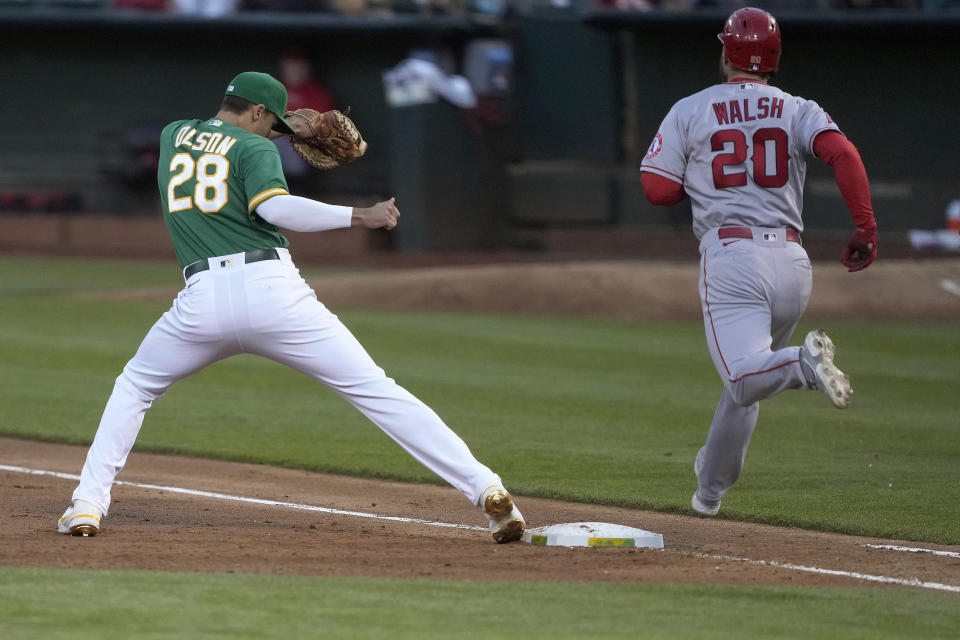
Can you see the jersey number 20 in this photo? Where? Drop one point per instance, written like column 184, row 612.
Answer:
column 769, row 144
column 210, row 171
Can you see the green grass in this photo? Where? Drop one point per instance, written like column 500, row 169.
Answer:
column 592, row 410
column 43, row 603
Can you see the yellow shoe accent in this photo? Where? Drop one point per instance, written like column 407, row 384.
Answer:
column 80, row 519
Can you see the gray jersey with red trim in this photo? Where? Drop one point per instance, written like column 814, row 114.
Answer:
column 739, row 150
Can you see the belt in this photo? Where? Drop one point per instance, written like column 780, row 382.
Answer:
column 257, row 255
column 747, row 232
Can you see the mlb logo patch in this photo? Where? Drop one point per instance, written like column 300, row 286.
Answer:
column 226, row 263
column 770, row 236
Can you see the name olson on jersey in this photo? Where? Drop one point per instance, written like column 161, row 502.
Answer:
column 740, row 110
column 208, row 141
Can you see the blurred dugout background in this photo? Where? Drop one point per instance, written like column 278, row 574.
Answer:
column 570, row 93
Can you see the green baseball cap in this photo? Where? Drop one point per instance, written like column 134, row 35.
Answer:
column 262, row 88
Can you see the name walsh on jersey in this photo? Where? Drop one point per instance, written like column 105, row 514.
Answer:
column 742, row 111
column 208, row 141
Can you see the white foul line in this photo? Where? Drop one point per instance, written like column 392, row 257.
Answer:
column 912, row 582
column 226, row 496
column 950, row 286
column 908, row 582
column 893, row 547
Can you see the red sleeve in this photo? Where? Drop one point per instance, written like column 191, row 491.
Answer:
column 320, row 98
column 833, row 148
column 660, row 190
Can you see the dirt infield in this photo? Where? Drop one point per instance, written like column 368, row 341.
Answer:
column 162, row 530
column 634, row 289
column 640, row 289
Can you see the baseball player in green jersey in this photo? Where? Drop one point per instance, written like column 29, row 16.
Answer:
column 224, row 200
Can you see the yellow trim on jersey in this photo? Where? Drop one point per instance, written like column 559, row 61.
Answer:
column 264, row 195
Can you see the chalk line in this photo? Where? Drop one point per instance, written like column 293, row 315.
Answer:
column 893, row 547
column 226, row 496
column 909, row 582
column 950, row 286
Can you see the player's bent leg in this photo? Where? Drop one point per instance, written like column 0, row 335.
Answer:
column 764, row 375
column 739, row 340
column 743, row 306
column 740, row 348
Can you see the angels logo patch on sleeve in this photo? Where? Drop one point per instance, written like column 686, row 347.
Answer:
column 655, row 147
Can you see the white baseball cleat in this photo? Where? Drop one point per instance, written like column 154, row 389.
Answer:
column 702, row 508
column 506, row 522
column 80, row 519
column 816, row 360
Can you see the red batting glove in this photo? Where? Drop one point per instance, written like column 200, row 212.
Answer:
column 861, row 250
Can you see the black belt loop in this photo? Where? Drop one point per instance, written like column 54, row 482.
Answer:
column 257, row 255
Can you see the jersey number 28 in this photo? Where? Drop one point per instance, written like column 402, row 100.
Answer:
column 770, row 157
column 210, row 171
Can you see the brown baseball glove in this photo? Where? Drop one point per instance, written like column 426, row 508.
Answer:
column 325, row 140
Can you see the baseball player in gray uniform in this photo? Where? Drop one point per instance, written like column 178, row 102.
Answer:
column 225, row 198
column 738, row 149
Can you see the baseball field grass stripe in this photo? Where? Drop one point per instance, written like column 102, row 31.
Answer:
column 152, row 605
column 227, row 496
column 893, row 547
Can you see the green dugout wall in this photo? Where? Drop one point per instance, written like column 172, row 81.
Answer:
column 591, row 90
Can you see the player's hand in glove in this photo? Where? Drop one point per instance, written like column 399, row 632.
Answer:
column 383, row 214
column 861, row 250
column 325, row 140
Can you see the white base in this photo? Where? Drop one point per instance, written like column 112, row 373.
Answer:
column 592, row 534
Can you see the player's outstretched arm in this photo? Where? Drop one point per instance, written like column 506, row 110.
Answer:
column 381, row 215
column 303, row 214
column 833, row 148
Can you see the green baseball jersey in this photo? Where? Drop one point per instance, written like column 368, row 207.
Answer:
column 212, row 176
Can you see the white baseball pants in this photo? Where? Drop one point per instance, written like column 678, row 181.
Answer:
column 752, row 293
column 266, row 308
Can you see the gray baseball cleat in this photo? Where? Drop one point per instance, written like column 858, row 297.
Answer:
column 80, row 519
column 506, row 522
column 816, row 360
column 704, row 508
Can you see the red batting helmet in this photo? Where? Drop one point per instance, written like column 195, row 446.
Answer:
column 751, row 40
